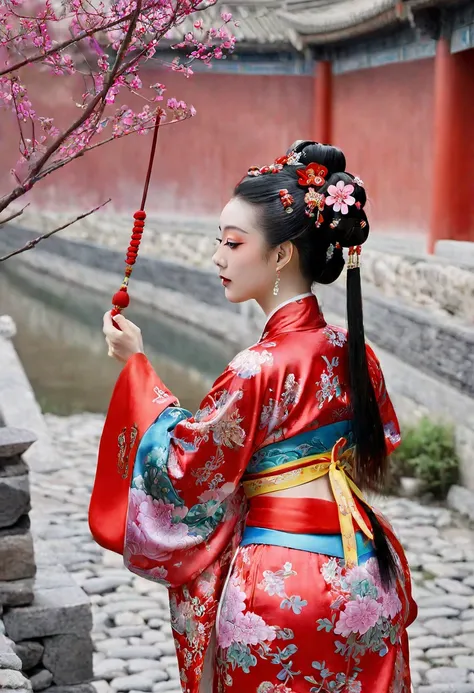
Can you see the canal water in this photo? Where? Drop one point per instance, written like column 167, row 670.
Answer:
column 62, row 348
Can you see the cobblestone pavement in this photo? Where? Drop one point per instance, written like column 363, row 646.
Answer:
column 132, row 635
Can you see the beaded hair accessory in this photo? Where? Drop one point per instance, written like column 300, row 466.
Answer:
column 286, row 200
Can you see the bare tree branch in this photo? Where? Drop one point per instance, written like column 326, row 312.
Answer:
column 13, row 216
column 35, row 241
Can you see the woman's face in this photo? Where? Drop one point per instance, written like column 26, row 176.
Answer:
column 247, row 267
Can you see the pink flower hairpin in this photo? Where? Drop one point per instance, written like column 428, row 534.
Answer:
column 340, row 196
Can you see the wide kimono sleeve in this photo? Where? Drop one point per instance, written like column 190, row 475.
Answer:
column 387, row 411
column 185, row 501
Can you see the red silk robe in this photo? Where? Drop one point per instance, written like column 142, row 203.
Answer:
column 168, row 495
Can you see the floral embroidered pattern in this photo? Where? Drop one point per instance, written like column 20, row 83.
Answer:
column 335, row 337
column 391, row 433
column 221, row 420
column 361, row 608
column 154, row 528
column 249, row 363
column 329, row 384
column 235, row 626
column 275, row 413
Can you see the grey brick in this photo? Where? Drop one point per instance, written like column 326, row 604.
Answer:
column 17, row 559
column 53, row 612
column 16, row 592
column 68, row 658
column 14, row 441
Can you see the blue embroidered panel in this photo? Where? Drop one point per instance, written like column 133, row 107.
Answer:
column 308, row 443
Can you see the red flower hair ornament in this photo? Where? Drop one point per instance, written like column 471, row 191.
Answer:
column 313, row 174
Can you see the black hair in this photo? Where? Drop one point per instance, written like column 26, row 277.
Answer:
column 320, row 251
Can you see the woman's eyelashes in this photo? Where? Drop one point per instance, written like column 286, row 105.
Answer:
column 230, row 244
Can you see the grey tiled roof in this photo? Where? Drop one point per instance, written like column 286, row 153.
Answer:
column 294, row 23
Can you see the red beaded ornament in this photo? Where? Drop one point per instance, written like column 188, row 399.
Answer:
column 121, row 299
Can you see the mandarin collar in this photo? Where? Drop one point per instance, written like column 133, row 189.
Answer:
column 298, row 313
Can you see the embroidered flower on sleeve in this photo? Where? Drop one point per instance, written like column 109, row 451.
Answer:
column 340, row 196
column 249, row 363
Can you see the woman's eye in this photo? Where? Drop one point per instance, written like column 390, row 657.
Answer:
column 232, row 245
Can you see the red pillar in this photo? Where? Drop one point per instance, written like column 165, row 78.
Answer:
column 323, row 102
column 452, row 205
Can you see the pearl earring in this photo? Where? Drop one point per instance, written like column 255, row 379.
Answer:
column 276, row 288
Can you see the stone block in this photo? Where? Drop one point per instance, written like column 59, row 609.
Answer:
column 8, row 658
column 68, row 658
column 30, row 653
column 50, row 576
column 41, row 679
column 16, row 592
column 78, row 688
column 53, row 612
column 14, row 441
column 14, row 498
column 13, row 679
column 17, row 560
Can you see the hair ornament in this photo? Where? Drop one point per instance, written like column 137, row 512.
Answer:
column 340, row 196
column 254, row 171
column 314, row 174
column 353, row 261
column 286, row 200
column 293, row 158
column 359, row 181
column 314, row 200
column 363, row 224
column 330, row 252
column 334, row 223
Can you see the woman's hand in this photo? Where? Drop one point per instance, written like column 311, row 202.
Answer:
column 125, row 342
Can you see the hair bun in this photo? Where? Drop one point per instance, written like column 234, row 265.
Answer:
column 324, row 154
column 351, row 231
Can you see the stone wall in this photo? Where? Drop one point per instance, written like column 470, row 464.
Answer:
column 396, row 267
column 45, row 617
column 427, row 357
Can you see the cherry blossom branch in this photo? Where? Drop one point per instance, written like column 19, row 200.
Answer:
column 14, row 215
column 65, row 44
column 31, row 244
column 21, row 189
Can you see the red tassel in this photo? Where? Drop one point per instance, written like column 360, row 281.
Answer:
column 121, row 299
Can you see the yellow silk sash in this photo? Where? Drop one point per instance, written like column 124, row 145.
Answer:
column 300, row 472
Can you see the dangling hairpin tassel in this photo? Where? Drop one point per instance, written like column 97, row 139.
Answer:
column 314, row 200
column 121, row 299
column 286, row 200
column 353, row 261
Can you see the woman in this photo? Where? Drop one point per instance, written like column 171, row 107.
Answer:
column 282, row 579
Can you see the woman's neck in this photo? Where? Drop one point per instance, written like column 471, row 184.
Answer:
column 285, row 295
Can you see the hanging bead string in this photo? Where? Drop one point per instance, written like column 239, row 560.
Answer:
column 121, row 299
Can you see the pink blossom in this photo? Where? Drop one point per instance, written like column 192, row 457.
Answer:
column 226, row 16
column 358, row 617
column 391, row 604
column 235, row 626
column 150, row 529
column 340, row 196
column 251, row 629
column 198, row 24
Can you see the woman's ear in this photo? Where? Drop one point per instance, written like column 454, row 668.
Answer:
column 285, row 253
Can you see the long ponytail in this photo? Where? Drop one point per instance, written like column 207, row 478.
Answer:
column 371, row 457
